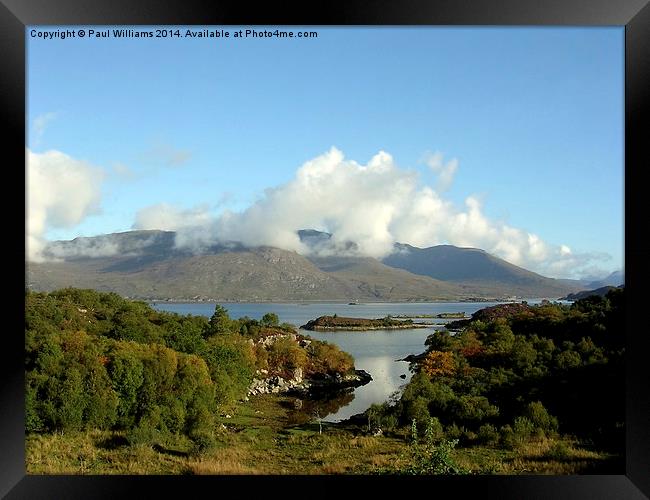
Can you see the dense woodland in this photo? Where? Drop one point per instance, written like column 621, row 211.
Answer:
column 96, row 360
column 515, row 372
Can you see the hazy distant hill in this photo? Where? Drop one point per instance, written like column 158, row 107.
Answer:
column 616, row 278
column 601, row 292
column 377, row 280
column 477, row 271
column 146, row 264
column 257, row 274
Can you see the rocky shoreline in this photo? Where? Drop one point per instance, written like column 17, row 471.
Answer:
column 307, row 387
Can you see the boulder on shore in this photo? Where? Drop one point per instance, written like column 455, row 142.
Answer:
column 306, row 387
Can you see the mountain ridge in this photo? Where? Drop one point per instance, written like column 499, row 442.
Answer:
column 148, row 265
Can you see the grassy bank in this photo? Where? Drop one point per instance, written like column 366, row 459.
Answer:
column 262, row 437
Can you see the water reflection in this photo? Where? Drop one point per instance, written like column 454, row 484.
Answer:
column 386, row 381
column 389, row 377
column 377, row 353
column 373, row 351
column 311, row 410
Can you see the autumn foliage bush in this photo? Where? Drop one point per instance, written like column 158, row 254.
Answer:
column 437, row 363
column 328, row 358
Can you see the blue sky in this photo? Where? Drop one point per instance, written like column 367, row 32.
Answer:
column 534, row 117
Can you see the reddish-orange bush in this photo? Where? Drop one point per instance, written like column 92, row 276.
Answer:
column 438, row 363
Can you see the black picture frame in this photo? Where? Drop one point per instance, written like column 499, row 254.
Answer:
column 633, row 14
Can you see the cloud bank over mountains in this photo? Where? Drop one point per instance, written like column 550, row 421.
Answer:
column 372, row 206
column 61, row 192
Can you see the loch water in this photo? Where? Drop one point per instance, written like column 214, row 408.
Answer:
column 376, row 351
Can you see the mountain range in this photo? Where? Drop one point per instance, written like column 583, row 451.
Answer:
column 615, row 279
column 600, row 292
column 148, row 265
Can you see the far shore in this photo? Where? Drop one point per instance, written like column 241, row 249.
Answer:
column 341, row 302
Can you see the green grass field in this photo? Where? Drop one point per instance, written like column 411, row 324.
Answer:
column 262, row 437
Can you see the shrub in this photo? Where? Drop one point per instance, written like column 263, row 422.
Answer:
column 270, row 319
column 70, row 401
column 101, row 400
column 231, row 364
column 540, row 418
column 185, row 334
column 381, row 416
column 468, row 436
column 507, row 437
column 473, row 408
column 284, row 356
column 417, row 410
column 488, row 435
column 126, row 372
column 328, row 358
column 261, row 357
column 33, row 421
column 558, row 451
column 453, row 431
column 147, row 432
column 469, row 344
column 202, row 442
column 523, row 429
column 567, row 359
column 523, row 353
column 499, row 337
column 439, row 363
column 439, row 340
column 433, row 432
column 432, row 458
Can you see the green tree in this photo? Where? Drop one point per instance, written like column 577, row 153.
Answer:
column 499, row 337
column 231, row 364
column 567, row 359
column 488, row 435
column 540, row 418
column 127, row 375
column 220, row 321
column 185, row 334
column 270, row 319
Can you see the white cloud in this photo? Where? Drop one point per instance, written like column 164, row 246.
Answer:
column 81, row 247
column 170, row 218
column 40, row 124
column 445, row 171
column 98, row 246
column 353, row 202
column 61, row 192
column 373, row 205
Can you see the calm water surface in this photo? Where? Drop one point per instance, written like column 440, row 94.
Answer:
column 374, row 351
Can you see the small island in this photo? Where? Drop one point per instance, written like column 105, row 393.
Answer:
column 329, row 323
column 445, row 315
column 452, row 315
